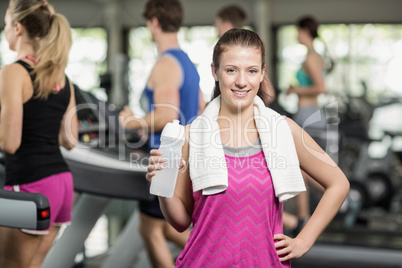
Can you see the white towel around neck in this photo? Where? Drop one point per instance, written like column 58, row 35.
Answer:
column 208, row 170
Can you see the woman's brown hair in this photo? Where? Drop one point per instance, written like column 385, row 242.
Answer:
column 310, row 24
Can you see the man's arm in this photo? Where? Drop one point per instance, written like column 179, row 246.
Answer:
column 165, row 80
column 201, row 103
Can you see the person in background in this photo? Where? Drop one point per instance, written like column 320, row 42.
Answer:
column 229, row 17
column 37, row 116
column 310, row 77
column 238, row 221
column 173, row 92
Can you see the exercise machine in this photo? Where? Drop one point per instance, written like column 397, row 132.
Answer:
column 23, row 210
column 106, row 164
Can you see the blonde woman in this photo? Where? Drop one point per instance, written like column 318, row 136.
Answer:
column 37, row 116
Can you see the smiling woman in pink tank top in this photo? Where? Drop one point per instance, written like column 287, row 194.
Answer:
column 230, row 225
column 241, row 226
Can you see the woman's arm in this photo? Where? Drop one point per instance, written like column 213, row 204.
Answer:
column 314, row 68
column 68, row 135
column 12, row 80
column 321, row 168
column 177, row 210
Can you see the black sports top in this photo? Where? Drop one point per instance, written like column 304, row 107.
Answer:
column 39, row 154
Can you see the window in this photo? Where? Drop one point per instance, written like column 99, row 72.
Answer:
column 7, row 56
column 87, row 59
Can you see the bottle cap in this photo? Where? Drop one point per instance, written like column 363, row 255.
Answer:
column 174, row 131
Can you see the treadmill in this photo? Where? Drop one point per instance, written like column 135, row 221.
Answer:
column 22, row 210
column 108, row 162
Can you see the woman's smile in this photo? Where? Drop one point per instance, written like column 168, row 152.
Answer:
column 240, row 93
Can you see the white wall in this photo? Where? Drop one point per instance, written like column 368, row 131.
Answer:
column 338, row 11
column 88, row 13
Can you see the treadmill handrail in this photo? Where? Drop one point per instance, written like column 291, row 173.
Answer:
column 24, row 210
column 40, row 200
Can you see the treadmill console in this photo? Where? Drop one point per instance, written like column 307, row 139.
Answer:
column 99, row 127
column 90, row 123
column 108, row 160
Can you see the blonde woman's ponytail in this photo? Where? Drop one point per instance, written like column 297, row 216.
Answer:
column 53, row 56
column 52, row 34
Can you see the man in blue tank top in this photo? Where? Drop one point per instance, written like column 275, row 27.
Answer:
column 173, row 92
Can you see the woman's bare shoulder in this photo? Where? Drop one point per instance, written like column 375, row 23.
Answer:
column 13, row 76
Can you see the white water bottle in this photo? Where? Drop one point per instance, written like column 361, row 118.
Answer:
column 172, row 140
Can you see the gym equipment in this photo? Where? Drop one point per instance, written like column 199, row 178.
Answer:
column 23, row 210
column 107, row 163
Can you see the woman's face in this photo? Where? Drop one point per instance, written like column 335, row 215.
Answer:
column 239, row 75
column 9, row 31
column 303, row 35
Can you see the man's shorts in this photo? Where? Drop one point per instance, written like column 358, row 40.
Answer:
column 152, row 208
